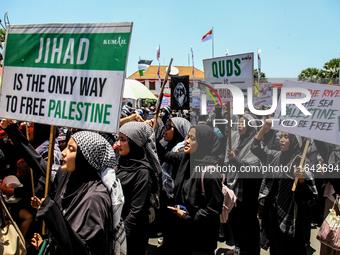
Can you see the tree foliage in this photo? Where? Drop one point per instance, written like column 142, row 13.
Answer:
column 263, row 78
column 2, row 39
column 328, row 75
column 151, row 102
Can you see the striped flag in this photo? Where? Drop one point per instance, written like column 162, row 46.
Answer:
column 259, row 64
column 143, row 66
column 159, row 65
column 193, row 66
column 207, row 36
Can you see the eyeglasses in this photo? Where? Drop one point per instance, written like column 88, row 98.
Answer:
column 168, row 127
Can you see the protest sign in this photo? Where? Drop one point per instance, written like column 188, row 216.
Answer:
column 196, row 98
column 65, row 74
column 324, row 107
column 262, row 94
column 235, row 70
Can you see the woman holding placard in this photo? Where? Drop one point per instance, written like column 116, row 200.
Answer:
column 83, row 211
column 281, row 210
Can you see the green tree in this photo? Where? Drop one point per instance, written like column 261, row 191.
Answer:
column 332, row 71
column 263, row 78
column 329, row 73
column 309, row 74
column 151, row 102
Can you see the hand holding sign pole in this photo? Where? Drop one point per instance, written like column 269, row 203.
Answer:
column 301, row 162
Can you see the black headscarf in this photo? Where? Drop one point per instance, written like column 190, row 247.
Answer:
column 78, row 182
column 282, row 186
column 181, row 130
column 167, row 114
column 208, row 145
column 248, row 136
column 135, row 160
column 205, row 155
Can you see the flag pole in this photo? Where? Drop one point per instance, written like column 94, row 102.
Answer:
column 258, row 70
column 212, row 41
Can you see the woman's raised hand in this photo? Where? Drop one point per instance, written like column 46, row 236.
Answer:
column 230, row 154
column 36, row 240
column 36, row 203
column 6, row 122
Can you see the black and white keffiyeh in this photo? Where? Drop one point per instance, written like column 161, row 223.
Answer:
column 100, row 155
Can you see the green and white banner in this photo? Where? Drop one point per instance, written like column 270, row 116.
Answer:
column 65, row 74
column 235, row 70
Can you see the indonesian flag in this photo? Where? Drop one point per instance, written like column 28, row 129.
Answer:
column 158, row 52
column 192, row 57
column 207, row 36
column 259, row 63
column 143, row 66
column 159, row 64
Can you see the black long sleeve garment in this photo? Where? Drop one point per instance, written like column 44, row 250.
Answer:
column 136, row 185
column 203, row 218
column 85, row 226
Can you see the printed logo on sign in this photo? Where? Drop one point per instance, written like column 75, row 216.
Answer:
column 248, row 58
column 119, row 41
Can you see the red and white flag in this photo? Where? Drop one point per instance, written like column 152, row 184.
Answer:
column 207, row 36
column 159, row 65
column 259, row 64
column 193, row 66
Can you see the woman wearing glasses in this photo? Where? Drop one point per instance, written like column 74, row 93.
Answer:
column 280, row 206
column 200, row 219
column 175, row 133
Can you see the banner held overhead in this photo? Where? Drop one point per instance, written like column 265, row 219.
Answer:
column 322, row 123
column 232, row 69
column 65, row 74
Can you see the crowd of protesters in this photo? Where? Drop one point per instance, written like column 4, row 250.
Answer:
column 109, row 189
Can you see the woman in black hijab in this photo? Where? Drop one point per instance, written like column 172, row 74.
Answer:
column 200, row 222
column 138, row 170
column 82, row 213
column 281, row 209
column 243, row 218
column 175, row 134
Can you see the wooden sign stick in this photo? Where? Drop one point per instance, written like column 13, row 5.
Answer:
column 301, row 162
column 49, row 168
column 160, row 96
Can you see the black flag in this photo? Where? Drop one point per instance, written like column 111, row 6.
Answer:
column 180, row 92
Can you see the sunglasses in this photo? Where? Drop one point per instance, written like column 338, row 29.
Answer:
column 168, row 127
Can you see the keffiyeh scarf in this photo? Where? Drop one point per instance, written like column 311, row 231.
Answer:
column 100, row 155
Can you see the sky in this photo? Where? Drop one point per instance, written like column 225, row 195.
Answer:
column 293, row 35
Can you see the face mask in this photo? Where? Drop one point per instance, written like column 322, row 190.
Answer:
column 163, row 114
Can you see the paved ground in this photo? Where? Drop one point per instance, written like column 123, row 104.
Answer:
column 313, row 249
